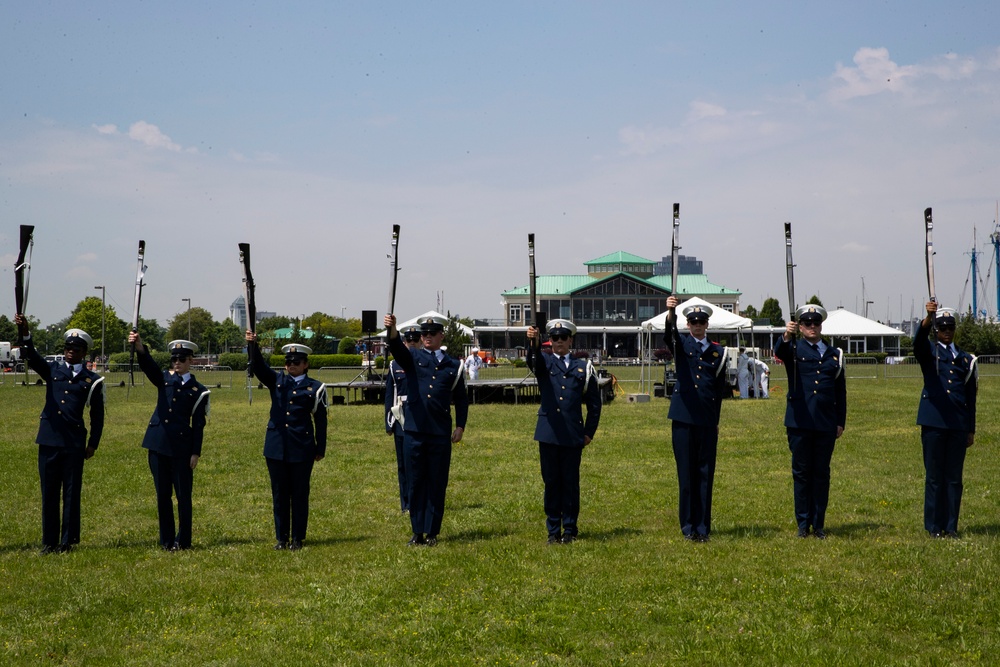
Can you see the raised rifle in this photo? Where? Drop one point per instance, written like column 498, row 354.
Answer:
column 929, row 257
column 22, row 271
column 790, row 279
column 22, row 268
column 251, row 305
column 539, row 319
column 140, row 273
column 675, row 248
column 393, row 274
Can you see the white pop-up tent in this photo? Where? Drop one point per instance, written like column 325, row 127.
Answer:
column 430, row 313
column 721, row 320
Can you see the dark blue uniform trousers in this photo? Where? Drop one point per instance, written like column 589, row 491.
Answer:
column 60, row 470
column 944, row 459
column 290, row 497
column 428, row 460
column 811, row 455
column 695, row 449
column 561, row 474
column 404, row 491
column 173, row 474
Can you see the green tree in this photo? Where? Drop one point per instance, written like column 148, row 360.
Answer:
column 8, row 330
column 454, row 338
column 87, row 316
column 200, row 325
column 772, row 310
column 976, row 336
column 347, row 345
column 751, row 313
column 228, row 336
column 814, row 301
column 152, row 334
column 274, row 322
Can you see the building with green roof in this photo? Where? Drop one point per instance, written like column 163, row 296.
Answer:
column 619, row 291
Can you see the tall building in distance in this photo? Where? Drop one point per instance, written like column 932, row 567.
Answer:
column 687, row 265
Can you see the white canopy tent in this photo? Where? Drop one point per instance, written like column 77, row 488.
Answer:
column 856, row 331
column 430, row 313
column 720, row 320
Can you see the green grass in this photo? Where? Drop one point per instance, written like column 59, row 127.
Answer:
column 630, row 591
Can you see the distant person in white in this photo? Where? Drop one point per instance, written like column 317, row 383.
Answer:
column 473, row 363
column 742, row 373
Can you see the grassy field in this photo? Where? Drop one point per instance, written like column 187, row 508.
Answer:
column 630, row 591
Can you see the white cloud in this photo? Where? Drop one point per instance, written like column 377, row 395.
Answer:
column 150, row 135
column 700, row 110
column 855, row 248
column 109, row 128
column 874, row 73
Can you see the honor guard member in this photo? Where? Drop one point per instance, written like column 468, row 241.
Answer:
column 63, row 443
column 174, row 436
column 815, row 413
column 565, row 385
column 395, row 397
column 695, row 408
column 295, row 439
column 946, row 416
column 434, row 380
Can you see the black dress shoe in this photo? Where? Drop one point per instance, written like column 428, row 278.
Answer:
column 296, row 545
column 951, row 534
column 819, row 534
column 432, row 540
column 279, row 546
column 48, row 549
column 554, row 539
column 936, row 534
column 690, row 536
column 568, row 539
column 701, row 538
column 803, row 532
column 417, row 540
column 65, row 548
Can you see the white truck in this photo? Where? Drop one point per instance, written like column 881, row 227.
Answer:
column 10, row 357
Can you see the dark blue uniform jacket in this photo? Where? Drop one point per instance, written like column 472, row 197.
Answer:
column 177, row 427
column 701, row 379
column 564, row 391
column 817, row 389
column 66, row 399
column 296, row 431
column 431, row 387
column 950, row 386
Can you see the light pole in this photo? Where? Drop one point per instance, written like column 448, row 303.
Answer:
column 189, row 317
column 103, row 292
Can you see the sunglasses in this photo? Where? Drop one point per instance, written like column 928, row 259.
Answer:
column 698, row 321
column 809, row 323
column 430, row 333
column 293, row 362
column 946, row 327
column 558, row 336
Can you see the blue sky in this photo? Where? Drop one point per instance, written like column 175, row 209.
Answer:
column 309, row 128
